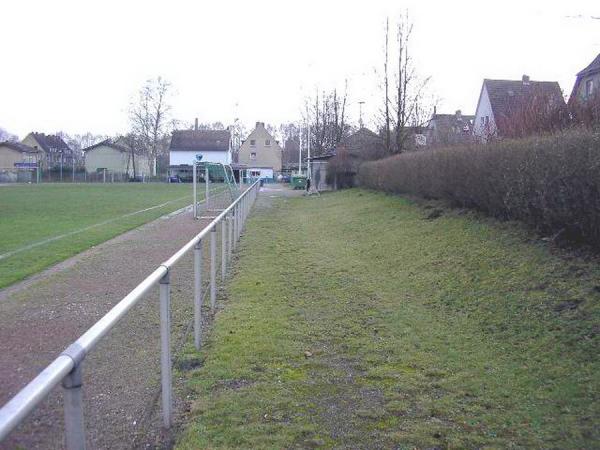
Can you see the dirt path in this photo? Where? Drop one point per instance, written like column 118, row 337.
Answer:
column 41, row 316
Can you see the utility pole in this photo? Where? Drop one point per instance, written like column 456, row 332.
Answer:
column 360, row 121
column 61, row 166
column 73, row 159
column 300, row 152
column 308, row 174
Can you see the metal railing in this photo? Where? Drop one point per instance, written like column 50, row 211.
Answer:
column 67, row 367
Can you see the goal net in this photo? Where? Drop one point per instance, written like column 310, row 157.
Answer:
column 214, row 188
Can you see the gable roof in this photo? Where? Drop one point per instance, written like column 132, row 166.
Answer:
column 200, row 140
column 591, row 69
column 107, row 143
column 362, row 144
column 450, row 120
column 505, row 95
column 19, row 147
column 50, row 142
column 594, row 66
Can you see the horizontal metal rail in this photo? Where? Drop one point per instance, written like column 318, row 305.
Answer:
column 66, row 368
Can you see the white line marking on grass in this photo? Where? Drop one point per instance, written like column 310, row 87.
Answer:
column 81, row 230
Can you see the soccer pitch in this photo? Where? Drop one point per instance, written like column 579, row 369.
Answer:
column 41, row 225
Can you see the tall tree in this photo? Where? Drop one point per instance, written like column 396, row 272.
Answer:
column 149, row 115
column 326, row 116
column 409, row 109
column 386, row 81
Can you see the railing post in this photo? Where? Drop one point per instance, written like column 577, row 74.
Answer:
column 165, row 341
column 198, row 294
column 213, row 267
column 73, row 406
column 223, row 249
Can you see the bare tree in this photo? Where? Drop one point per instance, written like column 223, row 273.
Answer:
column 409, row 110
column 386, row 82
column 149, row 116
column 326, row 115
column 6, row 136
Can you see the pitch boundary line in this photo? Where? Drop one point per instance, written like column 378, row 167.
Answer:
column 81, row 230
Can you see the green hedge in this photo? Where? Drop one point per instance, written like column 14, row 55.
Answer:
column 550, row 182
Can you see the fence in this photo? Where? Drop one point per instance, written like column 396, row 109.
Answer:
column 67, row 367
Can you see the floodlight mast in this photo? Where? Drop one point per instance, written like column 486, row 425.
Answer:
column 300, row 151
column 308, row 174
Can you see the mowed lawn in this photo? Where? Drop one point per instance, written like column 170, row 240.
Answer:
column 31, row 214
column 355, row 321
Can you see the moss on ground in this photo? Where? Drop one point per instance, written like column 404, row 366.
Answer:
column 355, row 321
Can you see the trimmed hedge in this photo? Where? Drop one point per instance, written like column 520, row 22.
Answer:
column 551, row 182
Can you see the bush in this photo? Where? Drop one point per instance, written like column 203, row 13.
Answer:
column 551, row 183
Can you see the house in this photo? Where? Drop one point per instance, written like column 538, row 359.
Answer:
column 261, row 154
column 15, row 155
column 587, row 83
column 55, row 149
column 115, row 159
column 449, row 129
column 188, row 146
column 508, row 107
column 290, row 156
column 343, row 162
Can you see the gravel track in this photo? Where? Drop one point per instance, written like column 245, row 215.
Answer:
column 39, row 317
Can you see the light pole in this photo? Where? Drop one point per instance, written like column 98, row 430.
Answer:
column 360, row 121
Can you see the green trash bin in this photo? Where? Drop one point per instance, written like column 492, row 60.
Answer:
column 298, row 182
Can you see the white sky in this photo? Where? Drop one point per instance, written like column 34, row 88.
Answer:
column 74, row 65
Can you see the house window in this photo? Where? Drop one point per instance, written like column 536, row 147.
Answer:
column 255, row 173
column 252, row 142
column 487, row 121
column 589, row 88
column 268, row 142
column 253, row 155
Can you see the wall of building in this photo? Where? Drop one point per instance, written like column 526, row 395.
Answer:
column 178, row 157
column 105, row 157
column 8, row 157
column 266, row 155
column 260, row 172
column 581, row 90
column 484, row 108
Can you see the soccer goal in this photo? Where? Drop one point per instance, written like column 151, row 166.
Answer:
column 218, row 184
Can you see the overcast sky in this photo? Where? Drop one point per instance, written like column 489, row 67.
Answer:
column 74, row 65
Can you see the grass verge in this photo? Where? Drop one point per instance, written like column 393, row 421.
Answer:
column 359, row 320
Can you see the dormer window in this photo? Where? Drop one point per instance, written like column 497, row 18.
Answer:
column 268, row 142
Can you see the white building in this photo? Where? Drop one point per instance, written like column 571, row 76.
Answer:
column 187, row 146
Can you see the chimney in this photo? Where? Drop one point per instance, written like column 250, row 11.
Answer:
column 525, row 79
column 196, row 124
column 434, row 110
column 260, row 124
column 458, row 114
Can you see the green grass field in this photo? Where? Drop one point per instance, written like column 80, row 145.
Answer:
column 34, row 213
column 354, row 321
